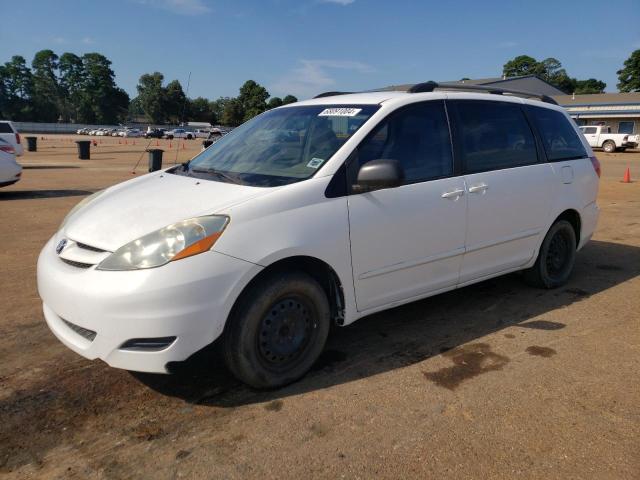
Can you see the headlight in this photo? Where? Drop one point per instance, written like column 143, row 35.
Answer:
column 81, row 204
column 180, row 240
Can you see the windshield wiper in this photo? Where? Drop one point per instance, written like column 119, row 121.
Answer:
column 218, row 173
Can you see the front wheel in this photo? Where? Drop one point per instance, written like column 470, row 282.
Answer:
column 278, row 330
column 556, row 258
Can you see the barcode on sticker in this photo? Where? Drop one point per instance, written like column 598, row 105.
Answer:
column 340, row 112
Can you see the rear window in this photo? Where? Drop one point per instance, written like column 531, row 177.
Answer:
column 560, row 140
column 493, row 136
column 5, row 127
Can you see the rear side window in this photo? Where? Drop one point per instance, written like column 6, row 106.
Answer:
column 417, row 136
column 5, row 128
column 493, row 135
column 560, row 140
column 590, row 130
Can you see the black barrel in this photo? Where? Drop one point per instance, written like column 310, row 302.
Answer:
column 32, row 144
column 206, row 144
column 155, row 159
column 84, row 147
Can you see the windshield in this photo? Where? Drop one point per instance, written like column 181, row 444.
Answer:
column 279, row 147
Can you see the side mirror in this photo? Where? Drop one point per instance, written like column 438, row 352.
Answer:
column 379, row 174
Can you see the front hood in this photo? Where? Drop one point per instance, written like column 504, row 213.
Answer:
column 134, row 208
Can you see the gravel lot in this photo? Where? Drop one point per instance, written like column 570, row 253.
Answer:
column 496, row 380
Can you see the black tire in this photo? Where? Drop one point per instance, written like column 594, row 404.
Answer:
column 556, row 258
column 609, row 146
column 277, row 330
column 189, row 137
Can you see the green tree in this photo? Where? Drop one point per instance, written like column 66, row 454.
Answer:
column 108, row 103
column 200, row 110
column 152, row 96
column 590, row 85
column 274, row 102
column 629, row 75
column 175, row 101
column 289, row 99
column 253, row 99
column 521, row 65
column 71, row 78
column 233, row 113
column 218, row 106
column 17, row 88
column 47, row 101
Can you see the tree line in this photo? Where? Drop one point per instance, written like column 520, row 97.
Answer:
column 82, row 89
column 551, row 70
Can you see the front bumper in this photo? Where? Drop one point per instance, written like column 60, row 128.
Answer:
column 189, row 299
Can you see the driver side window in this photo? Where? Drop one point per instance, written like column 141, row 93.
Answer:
column 417, row 136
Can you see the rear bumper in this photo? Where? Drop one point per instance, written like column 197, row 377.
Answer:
column 589, row 221
column 189, row 299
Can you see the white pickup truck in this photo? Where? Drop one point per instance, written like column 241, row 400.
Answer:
column 600, row 136
column 9, row 134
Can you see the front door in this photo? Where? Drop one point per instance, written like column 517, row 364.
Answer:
column 408, row 241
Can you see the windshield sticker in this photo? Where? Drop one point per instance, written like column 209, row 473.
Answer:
column 340, row 112
column 315, row 162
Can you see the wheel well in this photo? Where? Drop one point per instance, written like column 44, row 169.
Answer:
column 573, row 217
column 317, row 269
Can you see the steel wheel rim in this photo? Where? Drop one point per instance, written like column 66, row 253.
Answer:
column 285, row 332
column 557, row 255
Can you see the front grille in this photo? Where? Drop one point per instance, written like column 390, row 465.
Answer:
column 89, row 247
column 83, row 332
column 76, row 264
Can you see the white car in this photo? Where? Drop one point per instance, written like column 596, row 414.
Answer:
column 9, row 134
column 325, row 210
column 10, row 170
column 600, row 136
column 179, row 133
column 132, row 132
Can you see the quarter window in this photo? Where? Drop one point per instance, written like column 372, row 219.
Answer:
column 417, row 137
column 493, row 136
column 560, row 140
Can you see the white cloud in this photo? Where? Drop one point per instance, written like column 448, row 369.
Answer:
column 181, row 7
column 338, row 2
column 311, row 77
column 88, row 40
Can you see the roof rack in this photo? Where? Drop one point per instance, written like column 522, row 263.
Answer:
column 431, row 86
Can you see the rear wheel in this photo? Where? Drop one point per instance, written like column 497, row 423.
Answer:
column 609, row 146
column 278, row 330
column 556, row 258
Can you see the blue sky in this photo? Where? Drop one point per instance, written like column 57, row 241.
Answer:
column 305, row 47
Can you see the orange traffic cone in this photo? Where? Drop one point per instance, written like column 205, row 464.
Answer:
column 627, row 176
column 183, row 147
column 169, row 145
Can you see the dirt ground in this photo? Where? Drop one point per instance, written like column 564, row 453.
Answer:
column 496, row 380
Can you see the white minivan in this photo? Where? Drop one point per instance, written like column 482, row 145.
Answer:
column 321, row 211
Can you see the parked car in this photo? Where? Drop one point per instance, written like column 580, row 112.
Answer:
column 179, row 133
column 82, row 131
column 117, row 132
column 132, row 132
column 266, row 238
column 201, row 133
column 9, row 134
column 154, row 133
column 10, row 169
column 600, row 136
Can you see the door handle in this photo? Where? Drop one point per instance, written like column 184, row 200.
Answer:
column 479, row 188
column 454, row 194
